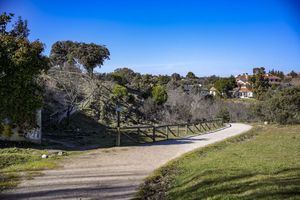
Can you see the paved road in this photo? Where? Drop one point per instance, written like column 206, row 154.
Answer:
column 111, row 173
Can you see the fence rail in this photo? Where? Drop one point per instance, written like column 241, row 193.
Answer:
column 153, row 133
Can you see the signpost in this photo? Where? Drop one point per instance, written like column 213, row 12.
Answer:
column 118, row 111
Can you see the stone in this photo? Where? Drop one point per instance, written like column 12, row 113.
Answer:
column 44, row 156
column 265, row 123
column 60, row 153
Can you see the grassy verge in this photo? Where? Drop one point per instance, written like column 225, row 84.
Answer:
column 20, row 162
column 263, row 163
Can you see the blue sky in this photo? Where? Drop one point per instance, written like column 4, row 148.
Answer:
column 166, row 36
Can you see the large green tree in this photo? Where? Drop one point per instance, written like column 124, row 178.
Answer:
column 260, row 85
column 89, row 55
column 21, row 62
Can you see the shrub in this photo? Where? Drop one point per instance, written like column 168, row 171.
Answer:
column 224, row 115
column 159, row 94
column 283, row 107
column 119, row 91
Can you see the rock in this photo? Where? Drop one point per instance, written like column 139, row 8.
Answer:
column 44, row 156
column 60, row 153
column 265, row 123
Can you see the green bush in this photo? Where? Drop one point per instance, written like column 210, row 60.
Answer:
column 283, row 107
column 119, row 91
column 159, row 94
column 224, row 115
column 6, row 131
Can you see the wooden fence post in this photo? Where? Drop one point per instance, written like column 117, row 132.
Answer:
column 178, row 134
column 118, row 139
column 186, row 129
column 153, row 134
column 167, row 132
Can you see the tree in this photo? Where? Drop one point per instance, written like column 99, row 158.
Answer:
column 20, row 28
column 190, row 75
column 22, row 62
column 175, row 77
column 119, row 91
column 260, row 85
column 159, row 94
column 283, row 107
column 259, row 70
column 224, row 85
column 88, row 55
column 293, row 74
column 91, row 55
column 224, row 115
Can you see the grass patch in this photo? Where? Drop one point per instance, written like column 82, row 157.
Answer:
column 17, row 163
column 263, row 163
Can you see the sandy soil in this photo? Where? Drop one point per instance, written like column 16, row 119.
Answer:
column 113, row 173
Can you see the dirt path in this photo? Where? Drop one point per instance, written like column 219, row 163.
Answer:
column 111, row 173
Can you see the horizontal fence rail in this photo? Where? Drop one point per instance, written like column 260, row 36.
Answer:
column 153, row 133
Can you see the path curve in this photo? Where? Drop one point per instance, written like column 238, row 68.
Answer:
column 113, row 173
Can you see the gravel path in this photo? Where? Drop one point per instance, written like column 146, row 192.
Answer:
column 113, row 173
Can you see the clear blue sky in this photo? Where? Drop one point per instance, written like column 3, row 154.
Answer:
column 166, row 36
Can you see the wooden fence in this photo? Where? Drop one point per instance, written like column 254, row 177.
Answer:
column 153, row 133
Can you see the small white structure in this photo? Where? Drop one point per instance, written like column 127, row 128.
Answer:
column 213, row 91
column 33, row 135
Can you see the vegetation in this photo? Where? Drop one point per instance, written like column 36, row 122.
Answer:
column 282, row 107
column 159, row 94
column 88, row 55
column 225, row 85
column 260, row 164
column 21, row 63
column 23, row 160
column 260, row 85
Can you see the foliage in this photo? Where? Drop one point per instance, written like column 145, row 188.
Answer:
column 224, row 115
column 283, row 107
column 175, row 77
column 260, row 164
column 260, row 85
column 89, row 55
column 119, row 91
column 190, row 75
column 277, row 73
column 159, row 94
column 22, row 62
column 6, row 130
column 224, row 85
column 293, row 74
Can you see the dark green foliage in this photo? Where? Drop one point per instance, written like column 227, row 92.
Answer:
column 282, row 107
column 163, row 79
column 89, row 55
column 159, row 94
column 278, row 73
column 191, row 75
column 224, row 115
column 224, row 85
column 175, row 77
column 260, row 85
column 21, row 62
column 293, row 74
